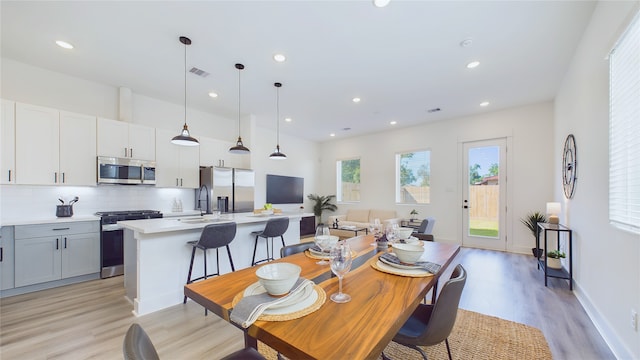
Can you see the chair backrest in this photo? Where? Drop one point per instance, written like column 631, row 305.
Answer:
column 137, row 345
column 276, row 227
column 217, row 235
column 443, row 315
column 426, row 226
column 295, row 248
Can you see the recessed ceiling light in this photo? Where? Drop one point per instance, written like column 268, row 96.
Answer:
column 466, row 42
column 393, row 122
column 213, row 95
column 473, row 64
column 332, row 134
column 484, row 103
column 279, row 57
column 356, row 99
column 381, row 3
column 64, row 44
column 288, row 119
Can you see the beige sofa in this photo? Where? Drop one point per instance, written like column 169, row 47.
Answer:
column 360, row 218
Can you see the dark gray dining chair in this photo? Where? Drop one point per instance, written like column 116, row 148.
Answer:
column 431, row 324
column 138, row 346
column 295, row 248
column 275, row 227
column 425, row 230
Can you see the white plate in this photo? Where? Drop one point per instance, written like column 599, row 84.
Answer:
column 297, row 302
column 400, row 266
column 319, row 253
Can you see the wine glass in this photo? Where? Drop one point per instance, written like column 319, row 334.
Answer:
column 392, row 233
column 340, row 265
column 322, row 239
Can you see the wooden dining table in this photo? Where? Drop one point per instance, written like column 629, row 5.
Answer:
column 360, row 329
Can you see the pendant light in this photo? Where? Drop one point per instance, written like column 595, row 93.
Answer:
column 239, row 148
column 184, row 139
column 277, row 155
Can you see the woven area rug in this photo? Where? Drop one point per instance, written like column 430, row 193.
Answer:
column 475, row 336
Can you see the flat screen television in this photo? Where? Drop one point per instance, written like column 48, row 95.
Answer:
column 285, row 189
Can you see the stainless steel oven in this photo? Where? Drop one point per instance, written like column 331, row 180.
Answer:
column 112, row 238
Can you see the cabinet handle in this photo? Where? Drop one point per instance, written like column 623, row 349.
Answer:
column 180, row 181
column 55, row 177
column 57, row 229
column 125, row 152
column 131, row 152
column 1, row 254
column 65, row 242
column 63, row 181
column 177, row 183
column 9, row 175
column 57, row 244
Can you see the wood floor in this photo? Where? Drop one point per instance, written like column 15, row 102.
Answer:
column 89, row 320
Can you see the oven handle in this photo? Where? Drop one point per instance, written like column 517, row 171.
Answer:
column 111, row 227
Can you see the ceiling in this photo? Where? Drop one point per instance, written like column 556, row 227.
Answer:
column 401, row 60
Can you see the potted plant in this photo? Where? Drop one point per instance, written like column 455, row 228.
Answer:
column 531, row 222
column 413, row 214
column 553, row 259
column 322, row 203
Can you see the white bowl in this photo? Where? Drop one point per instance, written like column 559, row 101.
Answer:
column 404, row 232
column 408, row 253
column 278, row 278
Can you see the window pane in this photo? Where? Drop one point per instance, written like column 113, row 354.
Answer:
column 348, row 178
column 624, row 127
column 413, row 173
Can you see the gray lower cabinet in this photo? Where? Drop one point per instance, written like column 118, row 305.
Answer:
column 48, row 252
column 6, row 258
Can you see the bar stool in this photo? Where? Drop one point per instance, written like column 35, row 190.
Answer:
column 274, row 228
column 213, row 236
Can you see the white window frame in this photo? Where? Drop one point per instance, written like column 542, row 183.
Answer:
column 624, row 127
column 339, row 198
column 398, row 188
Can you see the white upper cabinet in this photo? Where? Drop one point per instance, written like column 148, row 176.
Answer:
column 53, row 147
column 78, row 149
column 125, row 140
column 214, row 152
column 37, row 145
column 8, row 142
column 176, row 166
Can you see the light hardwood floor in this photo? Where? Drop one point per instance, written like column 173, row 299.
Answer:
column 89, row 320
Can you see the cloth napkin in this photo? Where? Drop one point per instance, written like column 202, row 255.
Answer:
column 249, row 308
column 424, row 265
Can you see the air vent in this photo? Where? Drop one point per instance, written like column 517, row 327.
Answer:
column 199, row 72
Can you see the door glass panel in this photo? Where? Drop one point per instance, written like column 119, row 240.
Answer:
column 484, row 192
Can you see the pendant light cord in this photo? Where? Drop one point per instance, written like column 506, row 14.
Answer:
column 239, row 70
column 185, row 84
column 278, row 116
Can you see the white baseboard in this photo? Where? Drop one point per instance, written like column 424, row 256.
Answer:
column 602, row 325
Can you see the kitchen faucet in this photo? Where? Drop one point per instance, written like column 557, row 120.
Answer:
column 206, row 211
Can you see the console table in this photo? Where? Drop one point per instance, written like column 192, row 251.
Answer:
column 561, row 273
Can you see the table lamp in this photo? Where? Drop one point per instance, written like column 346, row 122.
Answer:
column 553, row 210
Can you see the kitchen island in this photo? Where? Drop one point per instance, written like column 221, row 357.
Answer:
column 156, row 254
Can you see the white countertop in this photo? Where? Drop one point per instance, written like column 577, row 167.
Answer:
column 154, row 226
column 51, row 220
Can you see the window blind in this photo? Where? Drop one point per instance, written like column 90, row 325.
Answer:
column 624, row 130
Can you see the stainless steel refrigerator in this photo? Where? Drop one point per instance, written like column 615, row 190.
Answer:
column 225, row 189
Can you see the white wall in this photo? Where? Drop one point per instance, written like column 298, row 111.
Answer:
column 607, row 286
column 32, row 85
column 528, row 129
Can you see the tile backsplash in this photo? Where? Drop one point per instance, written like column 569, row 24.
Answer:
column 21, row 202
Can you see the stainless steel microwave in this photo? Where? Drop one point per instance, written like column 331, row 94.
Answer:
column 113, row 170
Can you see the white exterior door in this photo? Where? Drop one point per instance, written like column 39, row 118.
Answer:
column 484, row 194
